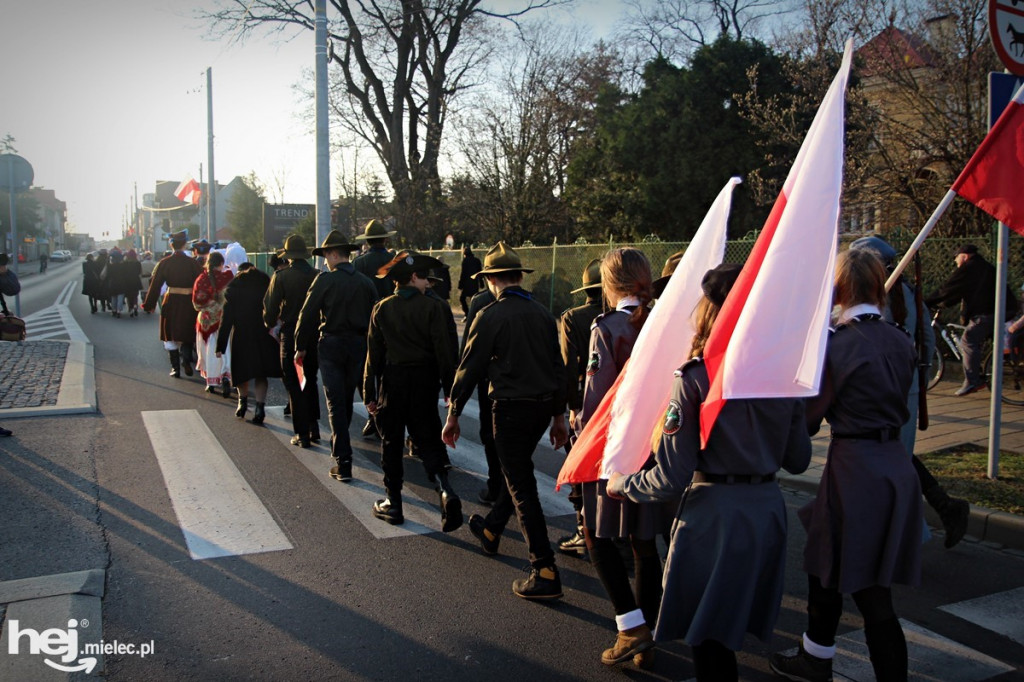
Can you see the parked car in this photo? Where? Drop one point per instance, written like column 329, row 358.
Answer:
column 61, row 256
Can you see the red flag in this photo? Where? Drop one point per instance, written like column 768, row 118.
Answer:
column 769, row 337
column 188, row 191
column 992, row 178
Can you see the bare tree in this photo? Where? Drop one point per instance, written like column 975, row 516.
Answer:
column 401, row 63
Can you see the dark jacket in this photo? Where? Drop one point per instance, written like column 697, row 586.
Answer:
column 339, row 302
column 470, row 266
column 371, row 261
column 177, row 316
column 287, row 293
column 973, row 286
column 574, row 336
column 254, row 352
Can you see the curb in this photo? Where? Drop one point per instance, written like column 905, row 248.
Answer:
column 77, row 386
column 983, row 525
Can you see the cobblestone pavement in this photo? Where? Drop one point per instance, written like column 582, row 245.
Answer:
column 30, row 373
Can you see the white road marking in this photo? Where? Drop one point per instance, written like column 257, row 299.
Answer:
column 1001, row 613
column 219, row 513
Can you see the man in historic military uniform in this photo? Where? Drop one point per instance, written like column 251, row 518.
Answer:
column 177, row 316
column 574, row 335
column 514, row 343
column 409, row 357
column 375, row 235
column 338, row 306
column 281, row 305
column 200, row 250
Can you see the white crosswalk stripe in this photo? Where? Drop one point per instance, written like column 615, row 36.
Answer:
column 56, row 322
column 218, row 511
column 1002, row 613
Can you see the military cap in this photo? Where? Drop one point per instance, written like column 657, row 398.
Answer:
column 878, row 245
column 407, row 262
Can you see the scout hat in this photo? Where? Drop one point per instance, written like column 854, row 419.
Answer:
column 878, row 245
column 374, row 230
column 294, row 247
column 591, row 277
column 671, row 263
column 501, row 258
column 335, row 240
column 406, row 262
column 718, row 281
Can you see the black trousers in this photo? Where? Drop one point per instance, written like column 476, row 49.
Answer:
column 614, row 575
column 518, row 427
column 495, row 479
column 408, row 399
column 305, row 402
column 341, row 367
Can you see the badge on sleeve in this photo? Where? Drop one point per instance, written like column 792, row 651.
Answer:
column 594, row 364
column 673, row 418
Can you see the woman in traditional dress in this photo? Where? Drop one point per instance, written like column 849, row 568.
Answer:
column 208, row 299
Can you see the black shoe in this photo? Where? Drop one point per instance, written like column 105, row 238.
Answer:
column 370, row 429
column 314, row 434
column 479, row 530
column 287, row 410
column 543, row 583
column 968, row 388
column 451, row 510
column 243, row 406
column 225, row 387
column 259, row 414
column 575, row 544
column 300, row 441
column 5, row 432
column 486, row 497
column 342, row 471
column 385, row 510
column 801, row 666
column 211, row 389
column 954, row 518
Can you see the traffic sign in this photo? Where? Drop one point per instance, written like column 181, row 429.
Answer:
column 1006, row 26
column 16, row 173
column 1001, row 89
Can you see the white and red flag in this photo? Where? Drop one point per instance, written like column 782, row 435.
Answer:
column 188, row 191
column 769, row 338
column 991, row 180
column 618, row 435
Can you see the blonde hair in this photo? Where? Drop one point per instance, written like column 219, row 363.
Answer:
column 704, row 320
column 627, row 272
column 860, row 278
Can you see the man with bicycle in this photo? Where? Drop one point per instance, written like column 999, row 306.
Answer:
column 973, row 285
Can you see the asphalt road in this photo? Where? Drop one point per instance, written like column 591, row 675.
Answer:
column 87, row 491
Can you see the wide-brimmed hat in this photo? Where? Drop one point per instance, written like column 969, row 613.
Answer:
column 374, row 230
column 878, row 245
column 591, row 276
column 201, row 246
column 501, row 258
column 407, row 262
column 294, row 247
column 435, row 275
column 671, row 263
column 179, row 237
column 718, row 281
column 335, row 240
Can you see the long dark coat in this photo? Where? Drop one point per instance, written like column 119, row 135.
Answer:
column 254, row 352
column 177, row 316
column 91, row 279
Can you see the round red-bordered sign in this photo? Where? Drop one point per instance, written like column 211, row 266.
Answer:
column 1006, row 26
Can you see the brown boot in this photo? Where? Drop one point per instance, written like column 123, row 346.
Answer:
column 627, row 644
column 644, row 660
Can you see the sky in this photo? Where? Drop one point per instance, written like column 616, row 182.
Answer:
column 106, row 98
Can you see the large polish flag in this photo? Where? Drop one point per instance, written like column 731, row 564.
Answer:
column 991, row 180
column 188, row 191
column 618, row 435
column 770, row 335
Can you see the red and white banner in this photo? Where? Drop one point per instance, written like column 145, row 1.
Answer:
column 770, row 335
column 992, row 179
column 618, row 435
column 188, row 191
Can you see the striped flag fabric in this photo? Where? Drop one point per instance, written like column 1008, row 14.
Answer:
column 617, row 438
column 991, row 180
column 188, row 191
column 770, row 335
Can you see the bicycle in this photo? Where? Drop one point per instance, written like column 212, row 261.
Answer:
column 1013, row 370
column 1013, row 360
column 949, row 333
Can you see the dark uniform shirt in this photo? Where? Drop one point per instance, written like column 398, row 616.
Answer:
column 339, row 302
column 287, row 293
column 407, row 328
column 370, row 262
column 449, row 317
column 476, row 304
column 575, row 339
column 514, row 344
column 177, row 316
column 973, row 286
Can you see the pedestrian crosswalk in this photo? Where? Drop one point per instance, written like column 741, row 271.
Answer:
column 56, row 322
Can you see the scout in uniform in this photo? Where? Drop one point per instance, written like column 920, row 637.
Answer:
column 514, row 343
column 409, row 358
column 177, row 316
column 338, row 306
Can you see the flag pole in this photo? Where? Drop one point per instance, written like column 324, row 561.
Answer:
column 925, row 231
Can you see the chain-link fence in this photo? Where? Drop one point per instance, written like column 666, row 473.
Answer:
column 558, row 269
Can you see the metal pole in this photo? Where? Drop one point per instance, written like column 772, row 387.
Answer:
column 211, row 202
column 996, row 380
column 323, row 170
column 554, row 260
column 925, row 231
column 14, row 228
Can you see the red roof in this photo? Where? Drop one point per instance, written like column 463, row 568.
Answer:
column 893, row 49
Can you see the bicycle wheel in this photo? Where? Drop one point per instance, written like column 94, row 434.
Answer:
column 936, row 369
column 1013, row 377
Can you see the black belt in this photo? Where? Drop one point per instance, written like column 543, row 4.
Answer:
column 752, row 479
column 529, row 399
column 880, row 435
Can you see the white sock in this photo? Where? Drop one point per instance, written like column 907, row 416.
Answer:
column 817, row 650
column 630, row 620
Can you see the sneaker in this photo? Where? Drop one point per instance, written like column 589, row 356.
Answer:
column 968, row 388
column 300, row 441
column 342, row 471
column 486, row 497
column 543, row 583
column 801, row 666
column 488, row 539
column 574, row 544
column 628, row 643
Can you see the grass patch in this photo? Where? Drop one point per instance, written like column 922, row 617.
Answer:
column 961, row 471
